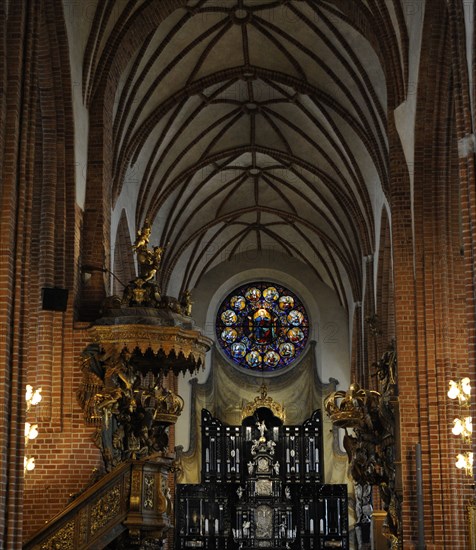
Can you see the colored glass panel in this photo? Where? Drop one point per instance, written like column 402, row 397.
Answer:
column 262, row 326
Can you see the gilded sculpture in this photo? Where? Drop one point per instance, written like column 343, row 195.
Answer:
column 265, row 401
column 371, row 445
column 126, row 391
column 144, row 290
column 186, row 303
column 131, row 409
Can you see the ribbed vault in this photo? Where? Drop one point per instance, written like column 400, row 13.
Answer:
column 253, row 125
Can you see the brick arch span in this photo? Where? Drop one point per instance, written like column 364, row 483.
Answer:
column 104, row 77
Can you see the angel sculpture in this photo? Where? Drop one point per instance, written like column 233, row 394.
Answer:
column 262, row 428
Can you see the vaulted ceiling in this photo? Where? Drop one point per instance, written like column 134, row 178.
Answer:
column 254, row 124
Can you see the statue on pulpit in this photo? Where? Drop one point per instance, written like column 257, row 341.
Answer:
column 144, row 291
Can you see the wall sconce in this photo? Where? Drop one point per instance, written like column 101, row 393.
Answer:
column 88, row 270
column 460, row 390
column 462, row 425
column 31, row 432
column 32, row 398
column 465, row 462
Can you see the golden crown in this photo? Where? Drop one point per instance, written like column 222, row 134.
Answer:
column 346, row 409
column 169, row 406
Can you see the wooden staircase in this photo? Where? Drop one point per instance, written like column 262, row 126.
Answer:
column 129, row 498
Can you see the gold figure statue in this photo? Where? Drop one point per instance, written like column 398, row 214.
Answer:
column 143, row 236
column 144, row 291
column 148, row 259
column 186, row 303
column 132, row 413
column 371, row 448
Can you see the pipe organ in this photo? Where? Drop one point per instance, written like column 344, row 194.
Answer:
column 262, row 487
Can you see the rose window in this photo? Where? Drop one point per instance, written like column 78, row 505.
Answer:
column 262, row 326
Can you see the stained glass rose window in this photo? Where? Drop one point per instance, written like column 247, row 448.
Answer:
column 262, row 326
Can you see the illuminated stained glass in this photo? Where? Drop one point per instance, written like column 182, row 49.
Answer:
column 262, row 326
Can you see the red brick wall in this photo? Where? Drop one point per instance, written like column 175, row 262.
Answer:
column 39, row 236
column 430, row 301
column 42, row 238
column 16, row 99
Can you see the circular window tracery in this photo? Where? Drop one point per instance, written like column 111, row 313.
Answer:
column 262, row 326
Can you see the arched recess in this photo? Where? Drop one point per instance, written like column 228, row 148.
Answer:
column 375, row 23
column 104, row 77
column 385, row 307
column 124, row 267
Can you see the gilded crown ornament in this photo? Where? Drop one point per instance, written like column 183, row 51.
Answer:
column 168, row 406
column 265, row 401
column 348, row 408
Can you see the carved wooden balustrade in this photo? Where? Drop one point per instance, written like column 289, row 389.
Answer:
column 132, row 500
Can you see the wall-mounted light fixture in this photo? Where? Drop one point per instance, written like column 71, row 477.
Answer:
column 461, row 390
column 32, row 398
column 465, row 462
column 88, row 270
column 463, row 424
